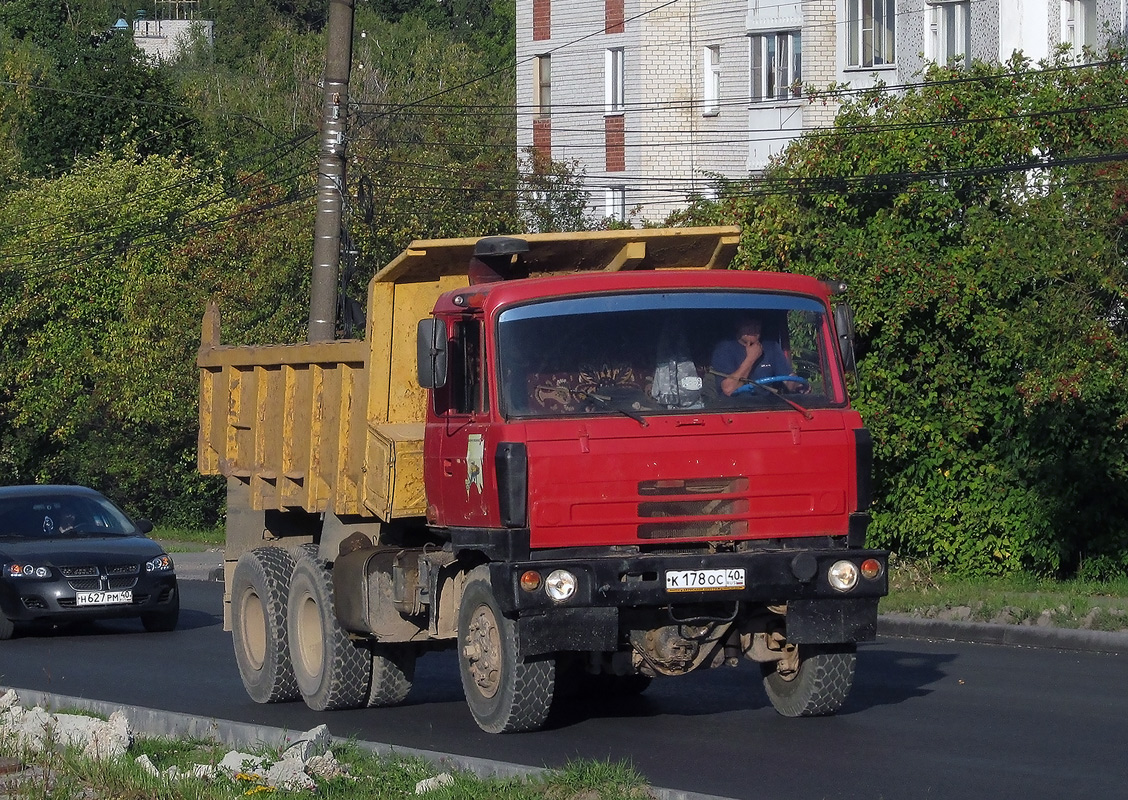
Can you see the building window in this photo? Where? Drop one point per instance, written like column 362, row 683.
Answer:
column 542, row 87
column 615, row 203
column 870, row 40
column 613, row 81
column 712, row 89
column 776, row 65
column 1079, row 24
column 949, row 32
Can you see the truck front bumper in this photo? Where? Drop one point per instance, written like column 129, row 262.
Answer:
column 605, row 587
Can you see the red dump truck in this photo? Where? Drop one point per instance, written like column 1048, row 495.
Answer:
column 539, row 456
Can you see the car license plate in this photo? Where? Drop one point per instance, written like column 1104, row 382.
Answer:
column 703, row 580
column 103, row 598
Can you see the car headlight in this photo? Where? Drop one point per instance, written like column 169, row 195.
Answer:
column 561, row 585
column 161, row 563
column 26, row 571
column 843, row 575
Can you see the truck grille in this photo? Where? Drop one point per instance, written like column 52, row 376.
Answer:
column 694, row 509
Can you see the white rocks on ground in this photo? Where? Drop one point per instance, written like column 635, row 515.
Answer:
column 37, row 729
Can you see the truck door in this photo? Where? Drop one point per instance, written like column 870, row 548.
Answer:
column 456, row 441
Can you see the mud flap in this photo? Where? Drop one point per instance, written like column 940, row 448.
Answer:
column 832, row 621
column 568, row 629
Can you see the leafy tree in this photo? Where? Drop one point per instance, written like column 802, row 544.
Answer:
column 551, row 194
column 100, row 90
column 979, row 221
column 107, row 272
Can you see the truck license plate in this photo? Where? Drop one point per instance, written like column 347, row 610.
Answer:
column 703, row 580
column 102, row 598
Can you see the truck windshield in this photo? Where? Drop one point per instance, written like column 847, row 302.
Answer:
column 665, row 352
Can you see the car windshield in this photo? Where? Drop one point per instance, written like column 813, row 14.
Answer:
column 45, row 516
column 665, row 352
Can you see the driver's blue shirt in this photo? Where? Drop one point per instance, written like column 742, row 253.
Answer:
column 729, row 354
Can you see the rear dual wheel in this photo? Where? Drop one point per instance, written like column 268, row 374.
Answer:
column 259, row 592
column 332, row 670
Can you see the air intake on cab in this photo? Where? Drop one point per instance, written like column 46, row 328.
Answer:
column 498, row 258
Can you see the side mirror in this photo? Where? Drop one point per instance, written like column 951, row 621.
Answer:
column 431, row 353
column 143, row 525
column 844, row 325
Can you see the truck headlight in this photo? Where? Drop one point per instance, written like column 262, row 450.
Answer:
column 843, row 575
column 561, row 585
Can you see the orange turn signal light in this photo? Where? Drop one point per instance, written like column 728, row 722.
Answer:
column 871, row 569
column 530, row 580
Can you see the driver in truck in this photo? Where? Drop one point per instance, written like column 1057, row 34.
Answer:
column 747, row 358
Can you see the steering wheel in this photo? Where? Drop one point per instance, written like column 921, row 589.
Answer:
column 748, row 388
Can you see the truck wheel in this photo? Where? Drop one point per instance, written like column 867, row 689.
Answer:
column 820, row 685
column 332, row 670
column 393, row 669
column 505, row 694
column 259, row 589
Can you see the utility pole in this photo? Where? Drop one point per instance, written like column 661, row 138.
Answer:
column 331, row 173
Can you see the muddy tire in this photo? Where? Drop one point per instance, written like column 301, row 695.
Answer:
column 819, row 687
column 259, row 590
column 505, row 694
column 165, row 619
column 393, row 670
column 332, row 670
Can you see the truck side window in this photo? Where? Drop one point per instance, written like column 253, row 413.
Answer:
column 465, row 383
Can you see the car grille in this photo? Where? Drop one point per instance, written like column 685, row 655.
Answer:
column 89, row 578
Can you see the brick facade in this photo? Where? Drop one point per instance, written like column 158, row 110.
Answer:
column 542, row 137
column 542, row 20
column 613, row 16
column 614, row 144
column 665, row 146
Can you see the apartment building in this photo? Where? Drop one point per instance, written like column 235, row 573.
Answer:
column 656, row 98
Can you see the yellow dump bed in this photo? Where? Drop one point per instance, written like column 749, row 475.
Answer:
column 338, row 426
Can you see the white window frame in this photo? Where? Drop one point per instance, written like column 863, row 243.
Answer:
column 613, row 81
column 542, row 86
column 949, row 31
column 1079, row 24
column 871, row 33
column 775, row 61
column 711, row 70
column 615, row 203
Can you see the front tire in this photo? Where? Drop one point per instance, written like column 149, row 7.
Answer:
column 505, row 694
column 259, row 592
column 7, row 628
column 819, row 687
column 332, row 670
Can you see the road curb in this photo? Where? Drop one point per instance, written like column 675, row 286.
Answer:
column 1009, row 635
column 241, row 735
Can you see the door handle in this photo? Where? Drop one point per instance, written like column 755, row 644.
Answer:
column 448, row 466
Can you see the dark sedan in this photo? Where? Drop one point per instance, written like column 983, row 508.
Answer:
column 69, row 554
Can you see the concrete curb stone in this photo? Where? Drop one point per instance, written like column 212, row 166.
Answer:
column 153, row 722
column 907, row 626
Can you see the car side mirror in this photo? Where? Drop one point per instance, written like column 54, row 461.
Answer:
column 144, row 525
column 844, row 325
column 431, row 353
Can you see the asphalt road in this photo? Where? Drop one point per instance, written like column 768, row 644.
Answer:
column 925, row 720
